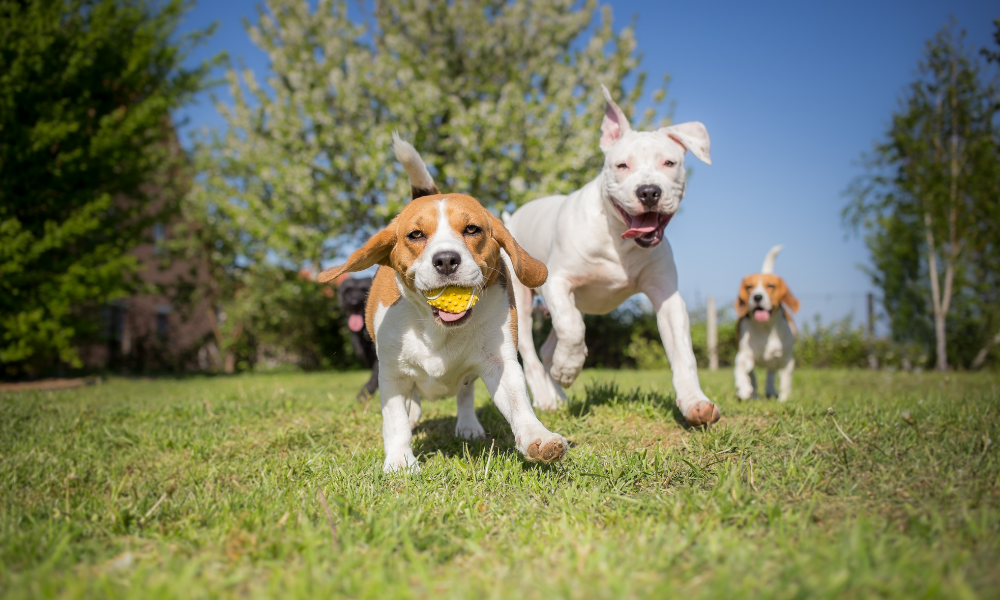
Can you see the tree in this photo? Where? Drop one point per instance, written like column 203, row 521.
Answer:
column 500, row 97
column 928, row 186
column 86, row 90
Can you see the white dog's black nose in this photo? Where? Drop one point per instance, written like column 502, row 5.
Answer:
column 757, row 297
column 446, row 262
column 648, row 194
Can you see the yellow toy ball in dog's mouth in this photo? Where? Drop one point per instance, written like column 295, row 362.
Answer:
column 452, row 302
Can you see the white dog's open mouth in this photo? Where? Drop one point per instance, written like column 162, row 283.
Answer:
column 646, row 228
column 761, row 315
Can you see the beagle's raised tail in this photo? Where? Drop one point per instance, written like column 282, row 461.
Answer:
column 768, row 267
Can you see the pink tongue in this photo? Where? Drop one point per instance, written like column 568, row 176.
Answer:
column 355, row 323
column 448, row 317
column 761, row 315
column 641, row 225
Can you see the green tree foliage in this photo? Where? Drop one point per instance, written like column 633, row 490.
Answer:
column 500, row 97
column 924, row 201
column 86, row 90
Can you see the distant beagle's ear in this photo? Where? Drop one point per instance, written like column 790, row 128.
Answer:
column 693, row 136
column 787, row 298
column 529, row 271
column 742, row 303
column 615, row 125
column 375, row 251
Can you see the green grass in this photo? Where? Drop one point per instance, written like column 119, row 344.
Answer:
column 207, row 487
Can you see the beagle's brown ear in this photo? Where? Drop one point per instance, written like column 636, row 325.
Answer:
column 532, row 273
column 375, row 251
column 787, row 298
column 742, row 303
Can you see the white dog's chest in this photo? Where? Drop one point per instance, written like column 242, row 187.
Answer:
column 771, row 346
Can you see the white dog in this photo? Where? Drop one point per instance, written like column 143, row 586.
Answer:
column 604, row 243
column 765, row 330
column 442, row 240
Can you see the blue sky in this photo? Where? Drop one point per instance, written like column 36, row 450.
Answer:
column 792, row 94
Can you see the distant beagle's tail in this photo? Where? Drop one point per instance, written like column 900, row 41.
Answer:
column 768, row 266
column 421, row 182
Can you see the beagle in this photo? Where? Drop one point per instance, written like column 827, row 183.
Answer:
column 440, row 242
column 766, row 331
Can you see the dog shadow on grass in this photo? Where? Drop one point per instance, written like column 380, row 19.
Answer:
column 437, row 435
column 607, row 393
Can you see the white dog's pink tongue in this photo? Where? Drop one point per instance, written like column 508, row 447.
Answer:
column 355, row 322
column 448, row 317
column 761, row 315
column 641, row 225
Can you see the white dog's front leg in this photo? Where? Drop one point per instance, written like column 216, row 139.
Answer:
column 675, row 331
column 413, row 409
column 785, row 380
column 567, row 321
column 396, row 434
column 743, row 373
column 468, row 426
column 506, row 384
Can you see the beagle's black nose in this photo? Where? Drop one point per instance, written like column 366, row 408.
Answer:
column 757, row 297
column 446, row 262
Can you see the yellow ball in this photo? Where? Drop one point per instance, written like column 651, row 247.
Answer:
column 452, row 299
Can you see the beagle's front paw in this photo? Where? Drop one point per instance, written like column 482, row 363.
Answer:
column 401, row 460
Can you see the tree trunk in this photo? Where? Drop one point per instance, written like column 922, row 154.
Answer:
column 981, row 356
column 939, row 314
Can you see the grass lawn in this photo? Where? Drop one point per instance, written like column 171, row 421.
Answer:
column 210, row 487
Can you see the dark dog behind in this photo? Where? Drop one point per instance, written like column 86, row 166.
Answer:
column 351, row 294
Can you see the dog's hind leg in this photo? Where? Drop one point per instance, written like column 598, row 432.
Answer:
column 468, row 426
column 547, row 350
column 413, row 409
column 535, row 372
column 769, row 391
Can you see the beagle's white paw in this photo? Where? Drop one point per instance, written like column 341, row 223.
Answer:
column 470, row 430
column 401, row 460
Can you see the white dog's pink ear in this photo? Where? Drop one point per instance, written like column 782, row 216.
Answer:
column 693, row 136
column 614, row 125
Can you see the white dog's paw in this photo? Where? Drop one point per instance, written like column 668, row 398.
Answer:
column 567, row 364
column 470, row 431
column 544, row 447
column 744, row 392
column 402, row 460
column 701, row 413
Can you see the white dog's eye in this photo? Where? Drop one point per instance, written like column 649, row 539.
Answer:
column 622, row 166
column 669, row 163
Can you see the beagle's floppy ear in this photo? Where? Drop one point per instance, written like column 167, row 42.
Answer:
column 693, row 136
column 742, row 303
column 375, row 251
column 787, row 298
column 529, row 271
column 615, row 125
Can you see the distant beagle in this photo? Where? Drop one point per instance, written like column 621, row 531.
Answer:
column 442, row 242
column 766, row 331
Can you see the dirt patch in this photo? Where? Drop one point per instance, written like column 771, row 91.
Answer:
column 48, row 384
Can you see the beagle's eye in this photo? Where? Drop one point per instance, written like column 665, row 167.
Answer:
column 472, row 229
column 669, row 163
column 621, row 166
column 415, row 235
column 770, row 287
